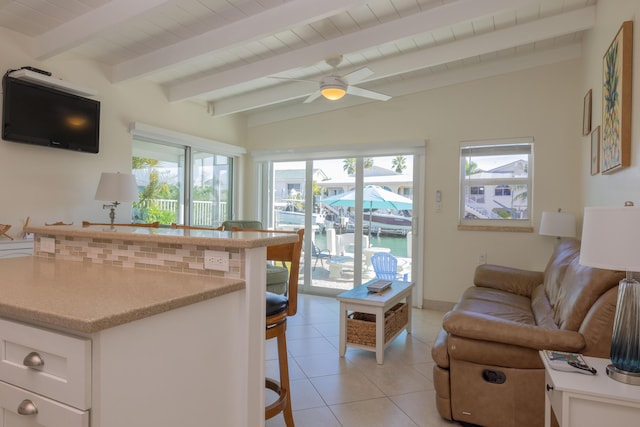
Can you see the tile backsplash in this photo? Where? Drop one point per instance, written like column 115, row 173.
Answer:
column 187, row 259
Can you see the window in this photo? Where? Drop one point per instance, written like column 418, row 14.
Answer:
column 496, row 184
column 179, row 182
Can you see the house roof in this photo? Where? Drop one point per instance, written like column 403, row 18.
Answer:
column 263, row 58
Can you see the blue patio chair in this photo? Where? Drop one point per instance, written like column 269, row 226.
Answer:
column 386, row 266
column 319, row 254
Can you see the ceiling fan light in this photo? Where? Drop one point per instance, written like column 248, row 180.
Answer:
column 333, row 88
column 333, row 93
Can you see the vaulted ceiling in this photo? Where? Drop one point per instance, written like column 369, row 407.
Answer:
column 263, row 58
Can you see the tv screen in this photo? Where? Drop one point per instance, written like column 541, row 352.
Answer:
column 40, row 115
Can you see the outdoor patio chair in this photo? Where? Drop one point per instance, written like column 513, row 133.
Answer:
column 319, row 255
column 386, row 266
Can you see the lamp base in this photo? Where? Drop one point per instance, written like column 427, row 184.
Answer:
column 632, row 378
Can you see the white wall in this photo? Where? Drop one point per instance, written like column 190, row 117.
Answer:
column 616, row 188
column 544, row 103
column 59, row 185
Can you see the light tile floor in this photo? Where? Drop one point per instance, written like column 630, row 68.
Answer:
column 331, row 391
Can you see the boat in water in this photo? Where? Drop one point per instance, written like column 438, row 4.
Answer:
column 388, row 223
column 292, row 217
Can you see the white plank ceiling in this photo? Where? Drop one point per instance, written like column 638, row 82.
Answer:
column 233, row 56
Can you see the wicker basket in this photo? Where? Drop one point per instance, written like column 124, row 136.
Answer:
column 361, row 327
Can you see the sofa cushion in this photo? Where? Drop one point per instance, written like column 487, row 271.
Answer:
column 542, row 311
column 565, row 252
column 580, row 289
column 496, row 303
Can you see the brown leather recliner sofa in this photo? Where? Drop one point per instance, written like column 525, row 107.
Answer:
column 487, row 367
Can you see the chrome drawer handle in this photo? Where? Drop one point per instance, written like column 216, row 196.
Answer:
column 27, row 407
column 33, row 361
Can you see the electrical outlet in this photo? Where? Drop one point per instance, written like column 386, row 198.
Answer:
column 216, row 260
column 482, row 259
column 48, row 244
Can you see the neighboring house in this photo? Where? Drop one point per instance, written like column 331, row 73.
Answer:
column 375, row 175
column 289, row 183
column 489, row 201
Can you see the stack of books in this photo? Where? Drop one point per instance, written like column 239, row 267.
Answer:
column 379, row 286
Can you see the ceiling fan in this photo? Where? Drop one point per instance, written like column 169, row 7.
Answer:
column 334, row 86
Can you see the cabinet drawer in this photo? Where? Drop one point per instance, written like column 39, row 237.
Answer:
column 65, row 371
column 49, row 413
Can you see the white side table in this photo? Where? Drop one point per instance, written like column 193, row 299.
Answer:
column 580, row 400
column 359, row 299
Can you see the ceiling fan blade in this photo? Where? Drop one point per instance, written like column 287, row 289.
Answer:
column 358, row 91
column 358, row 75
column 292, row 79
column 315, row 95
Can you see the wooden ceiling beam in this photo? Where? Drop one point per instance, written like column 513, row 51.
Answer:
column 77, row 31
column 419, row 23
column 289, row 14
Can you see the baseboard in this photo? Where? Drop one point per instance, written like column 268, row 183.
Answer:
column 437, row 305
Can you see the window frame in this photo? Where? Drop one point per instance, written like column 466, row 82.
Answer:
column 191, row 144
column 496, row 148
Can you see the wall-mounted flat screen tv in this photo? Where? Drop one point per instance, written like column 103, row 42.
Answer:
column 35, row 114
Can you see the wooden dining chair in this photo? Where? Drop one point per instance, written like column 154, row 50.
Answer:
column 279, row 307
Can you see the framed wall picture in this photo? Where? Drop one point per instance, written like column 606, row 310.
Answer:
column 595, row 151
column 586, row 114
column 615, row 145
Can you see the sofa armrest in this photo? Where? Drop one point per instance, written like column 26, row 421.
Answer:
column 488, row 328
column 514, row 280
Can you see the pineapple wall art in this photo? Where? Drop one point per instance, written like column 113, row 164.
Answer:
column 616, row 101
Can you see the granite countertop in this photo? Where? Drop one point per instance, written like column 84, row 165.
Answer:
column 88, row 298
column 227, row 239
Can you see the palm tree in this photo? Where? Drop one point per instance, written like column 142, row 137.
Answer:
column 399, row 164
column 471, row 168
column 349, row 165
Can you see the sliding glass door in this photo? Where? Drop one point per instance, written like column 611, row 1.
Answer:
column 354, row 208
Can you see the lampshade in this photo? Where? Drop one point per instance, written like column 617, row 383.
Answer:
column 117, row 187
column 610, row 238
column 558, row 224
column 333, row 88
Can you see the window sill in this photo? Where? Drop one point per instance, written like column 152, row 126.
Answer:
column 501, row 228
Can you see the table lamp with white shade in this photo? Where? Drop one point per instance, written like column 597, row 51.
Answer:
column 116, row 188
column 559, row 224
column 610, row 240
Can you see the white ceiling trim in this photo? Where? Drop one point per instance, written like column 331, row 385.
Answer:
column 543, row 29
column 79, row 30
column 419, row 23
column 293, row 13
column 421, row 84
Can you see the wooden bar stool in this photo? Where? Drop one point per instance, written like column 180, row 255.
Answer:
column 279, row 307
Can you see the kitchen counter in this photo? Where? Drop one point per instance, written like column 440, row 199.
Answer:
column 87, row 298
column 163, row 340
column 228, row 239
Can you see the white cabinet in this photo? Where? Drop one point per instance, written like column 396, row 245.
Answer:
column 580, row 400
column 15, row 248
column 45, row 377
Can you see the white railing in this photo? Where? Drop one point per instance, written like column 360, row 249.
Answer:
column 204, row 212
